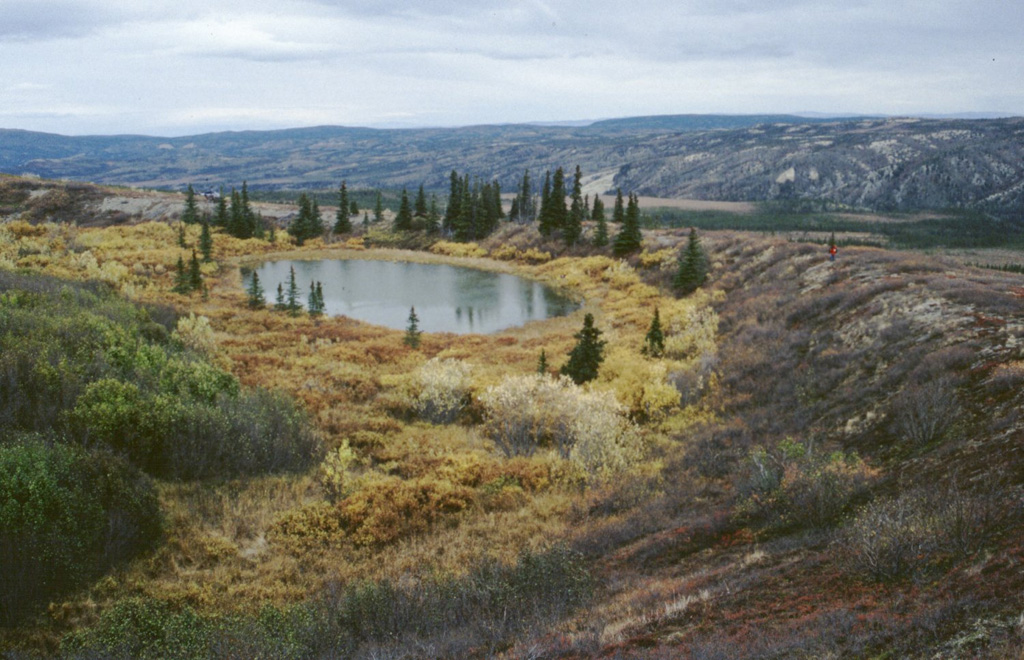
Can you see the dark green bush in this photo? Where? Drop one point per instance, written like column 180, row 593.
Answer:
column 78, row 362
column 65, row 516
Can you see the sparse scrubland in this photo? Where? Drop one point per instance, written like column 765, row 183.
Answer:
column 823, row 459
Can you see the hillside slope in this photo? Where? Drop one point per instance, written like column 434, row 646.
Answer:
column 876, row 164
column 764, row 544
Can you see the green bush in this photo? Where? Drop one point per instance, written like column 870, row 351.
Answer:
column 65, row 516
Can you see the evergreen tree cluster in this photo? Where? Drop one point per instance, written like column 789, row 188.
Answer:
column 308, row 223
column 474, row 208
column 693, row 267
column 188, row 279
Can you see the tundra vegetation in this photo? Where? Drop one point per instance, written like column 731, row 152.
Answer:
column 751, row 472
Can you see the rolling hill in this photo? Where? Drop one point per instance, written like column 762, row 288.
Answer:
column 861, row 163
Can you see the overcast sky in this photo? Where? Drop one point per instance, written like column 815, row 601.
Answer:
column 179, row 67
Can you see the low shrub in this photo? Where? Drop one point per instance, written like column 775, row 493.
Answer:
column 905, row 536
column 451, row 616
column 786, row 485
column 66, row 516
column 442, row 389
column 590, row 429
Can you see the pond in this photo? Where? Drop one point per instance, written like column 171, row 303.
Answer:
column 447, row 298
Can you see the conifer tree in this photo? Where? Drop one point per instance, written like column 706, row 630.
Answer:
column 618, row 213
column 181, row 235
column 574, row 221
column 412, row 331
column 206, row 242
column 222, row 219
column 433, row 221
column 453, row 210
column 542, row 363
column 249, row 225
column 316, row 220
column 292, row 302
column 559, row 213
column 527, row 205
column 342, row 224
column 601, row 233
column 693, row 269
column 315, row 303
column 236, row 223
column 586, row 356
column 279, row 303
column 195, row 276
column 403, row 221
column 545, row 222
column 378, row 208
column 420, row 207
column 629, row 239
column 190, row 215
column 255, row 291
column 654, row 340
column 366, row 219
column 354, row 210
column 180, row 277
column 597, row 213
column 513, row 213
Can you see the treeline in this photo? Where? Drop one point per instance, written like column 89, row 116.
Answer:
column 96, row 393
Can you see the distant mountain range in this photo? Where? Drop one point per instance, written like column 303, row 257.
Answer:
column 864, row 163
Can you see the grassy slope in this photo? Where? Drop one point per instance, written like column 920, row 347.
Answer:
column 807, row 349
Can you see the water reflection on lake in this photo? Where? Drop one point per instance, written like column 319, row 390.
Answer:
column 447, row 298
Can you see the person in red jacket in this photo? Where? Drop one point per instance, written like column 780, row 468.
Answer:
column 832, row 249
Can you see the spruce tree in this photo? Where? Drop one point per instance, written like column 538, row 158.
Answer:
column 513, row 213
column 195, row 275
column 574, row 221
column 249, row 225
column 366, row 219
column 420, row 208
column 542, row 363
column 453, row 210
column 222, row 219
column 342, row 224
column 601, row 233
column 181, row 235
column 292, row 303
column 586, row 356
column 693, row 269
column 545, row 223
column 255, row 291
column 433, row 221
column 597, row 213
column 190, row 215
column 527, row 205
column 316, row 220
column 354, row 208
column 629, row 239
column 412, row 331
column 378, row 208
column 654, row 340
column 403, row 221
column 559, row 213
column 236, row 223
column 180, row 277
column 618, row 213
column 206, row 242
column 279, row 303
column 315, row 303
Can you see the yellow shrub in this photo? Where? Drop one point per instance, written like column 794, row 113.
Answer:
column 641, row 385
column 355, row 243
column 385, row 509
column 458, row 249
column 661, row 259
column 505, row 252
column 535, row 256
column 195, row 333
column 334, row 476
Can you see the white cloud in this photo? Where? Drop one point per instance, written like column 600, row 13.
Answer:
column 190, row 65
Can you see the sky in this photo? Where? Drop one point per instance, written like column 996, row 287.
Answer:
column 182, row 67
